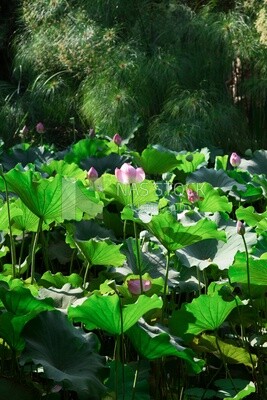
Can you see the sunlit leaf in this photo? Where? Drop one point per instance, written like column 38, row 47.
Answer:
column 204, row 313
column 53, row 199
column 103, row 312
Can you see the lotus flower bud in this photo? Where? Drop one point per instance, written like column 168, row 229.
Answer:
column 127, row 174
column 117, row 139
column 240, row 228
column 189, row 158
column 235, row 160
column 92, row 174
column 134, row 285
column 192, row 195
column 40, row 128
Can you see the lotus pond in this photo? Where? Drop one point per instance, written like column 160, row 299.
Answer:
column 132, row 276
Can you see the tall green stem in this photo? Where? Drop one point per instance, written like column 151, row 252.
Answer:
column 138, row 258
column 12, row 243
column 34, row 247
column 247, row 263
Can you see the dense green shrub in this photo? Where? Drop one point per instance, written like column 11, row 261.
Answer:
column 164, row 70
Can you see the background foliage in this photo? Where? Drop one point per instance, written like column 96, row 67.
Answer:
column 184, row 74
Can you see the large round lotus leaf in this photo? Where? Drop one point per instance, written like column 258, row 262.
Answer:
column 67, row 356
column 54, row 199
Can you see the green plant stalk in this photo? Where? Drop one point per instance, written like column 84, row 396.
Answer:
column 120, row 352
column 166, row 283
column 12, row 243
column 224, row 362
column 247, row 263
column 34, row 246
column 86, row 274
column 135, row 379
column 137, row 246
column 21, row 250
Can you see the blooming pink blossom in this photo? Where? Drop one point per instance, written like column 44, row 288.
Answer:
column 192, row 195
column 92, row 174
column 235, row 160
column 117, row 139
column 128, row 174
column 40, row 127
column 134, row 285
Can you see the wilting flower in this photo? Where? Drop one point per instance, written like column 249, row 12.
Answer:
column 128, row 174
column 40, row 127
column 134, row 285
column 24, row 130
column 240, row 228
column 235, row 160
column 192, row 195
column 117, row 139
column 92, row 174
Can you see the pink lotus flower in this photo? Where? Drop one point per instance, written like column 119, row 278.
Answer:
column 92, row 174
column 192, row 195
column 134, row 285
column 127, row 174
column 240, row 228
column 40, row 127
column 235, row 160
column 117, row 139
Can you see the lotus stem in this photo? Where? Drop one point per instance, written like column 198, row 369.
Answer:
column 12, row 243
column 247, row 264
column 138, row 258
column 34, row 246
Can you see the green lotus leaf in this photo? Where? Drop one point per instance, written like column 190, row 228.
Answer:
column 232, row 353
column 21, row 307
column 58, row 280
column 143, row 192
column 149, row 160
column 67, row 356
column 14, row 212
column 63, row 168
column 54, row 199
column 101, row 252
column 63, row 297
column 204, row 313
column 174, row 236
column 229, row 387
column 86, row 148
column 212, row 251
column 25, row 154
column 257, row 164
column 221, row 162
column 103, row 312
column 217, row 179
column 26, row 221
column 153, row 342
column 210, row 199
column 257, row 271
column 104, row 164
column 252, row 218
column 189, row 162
